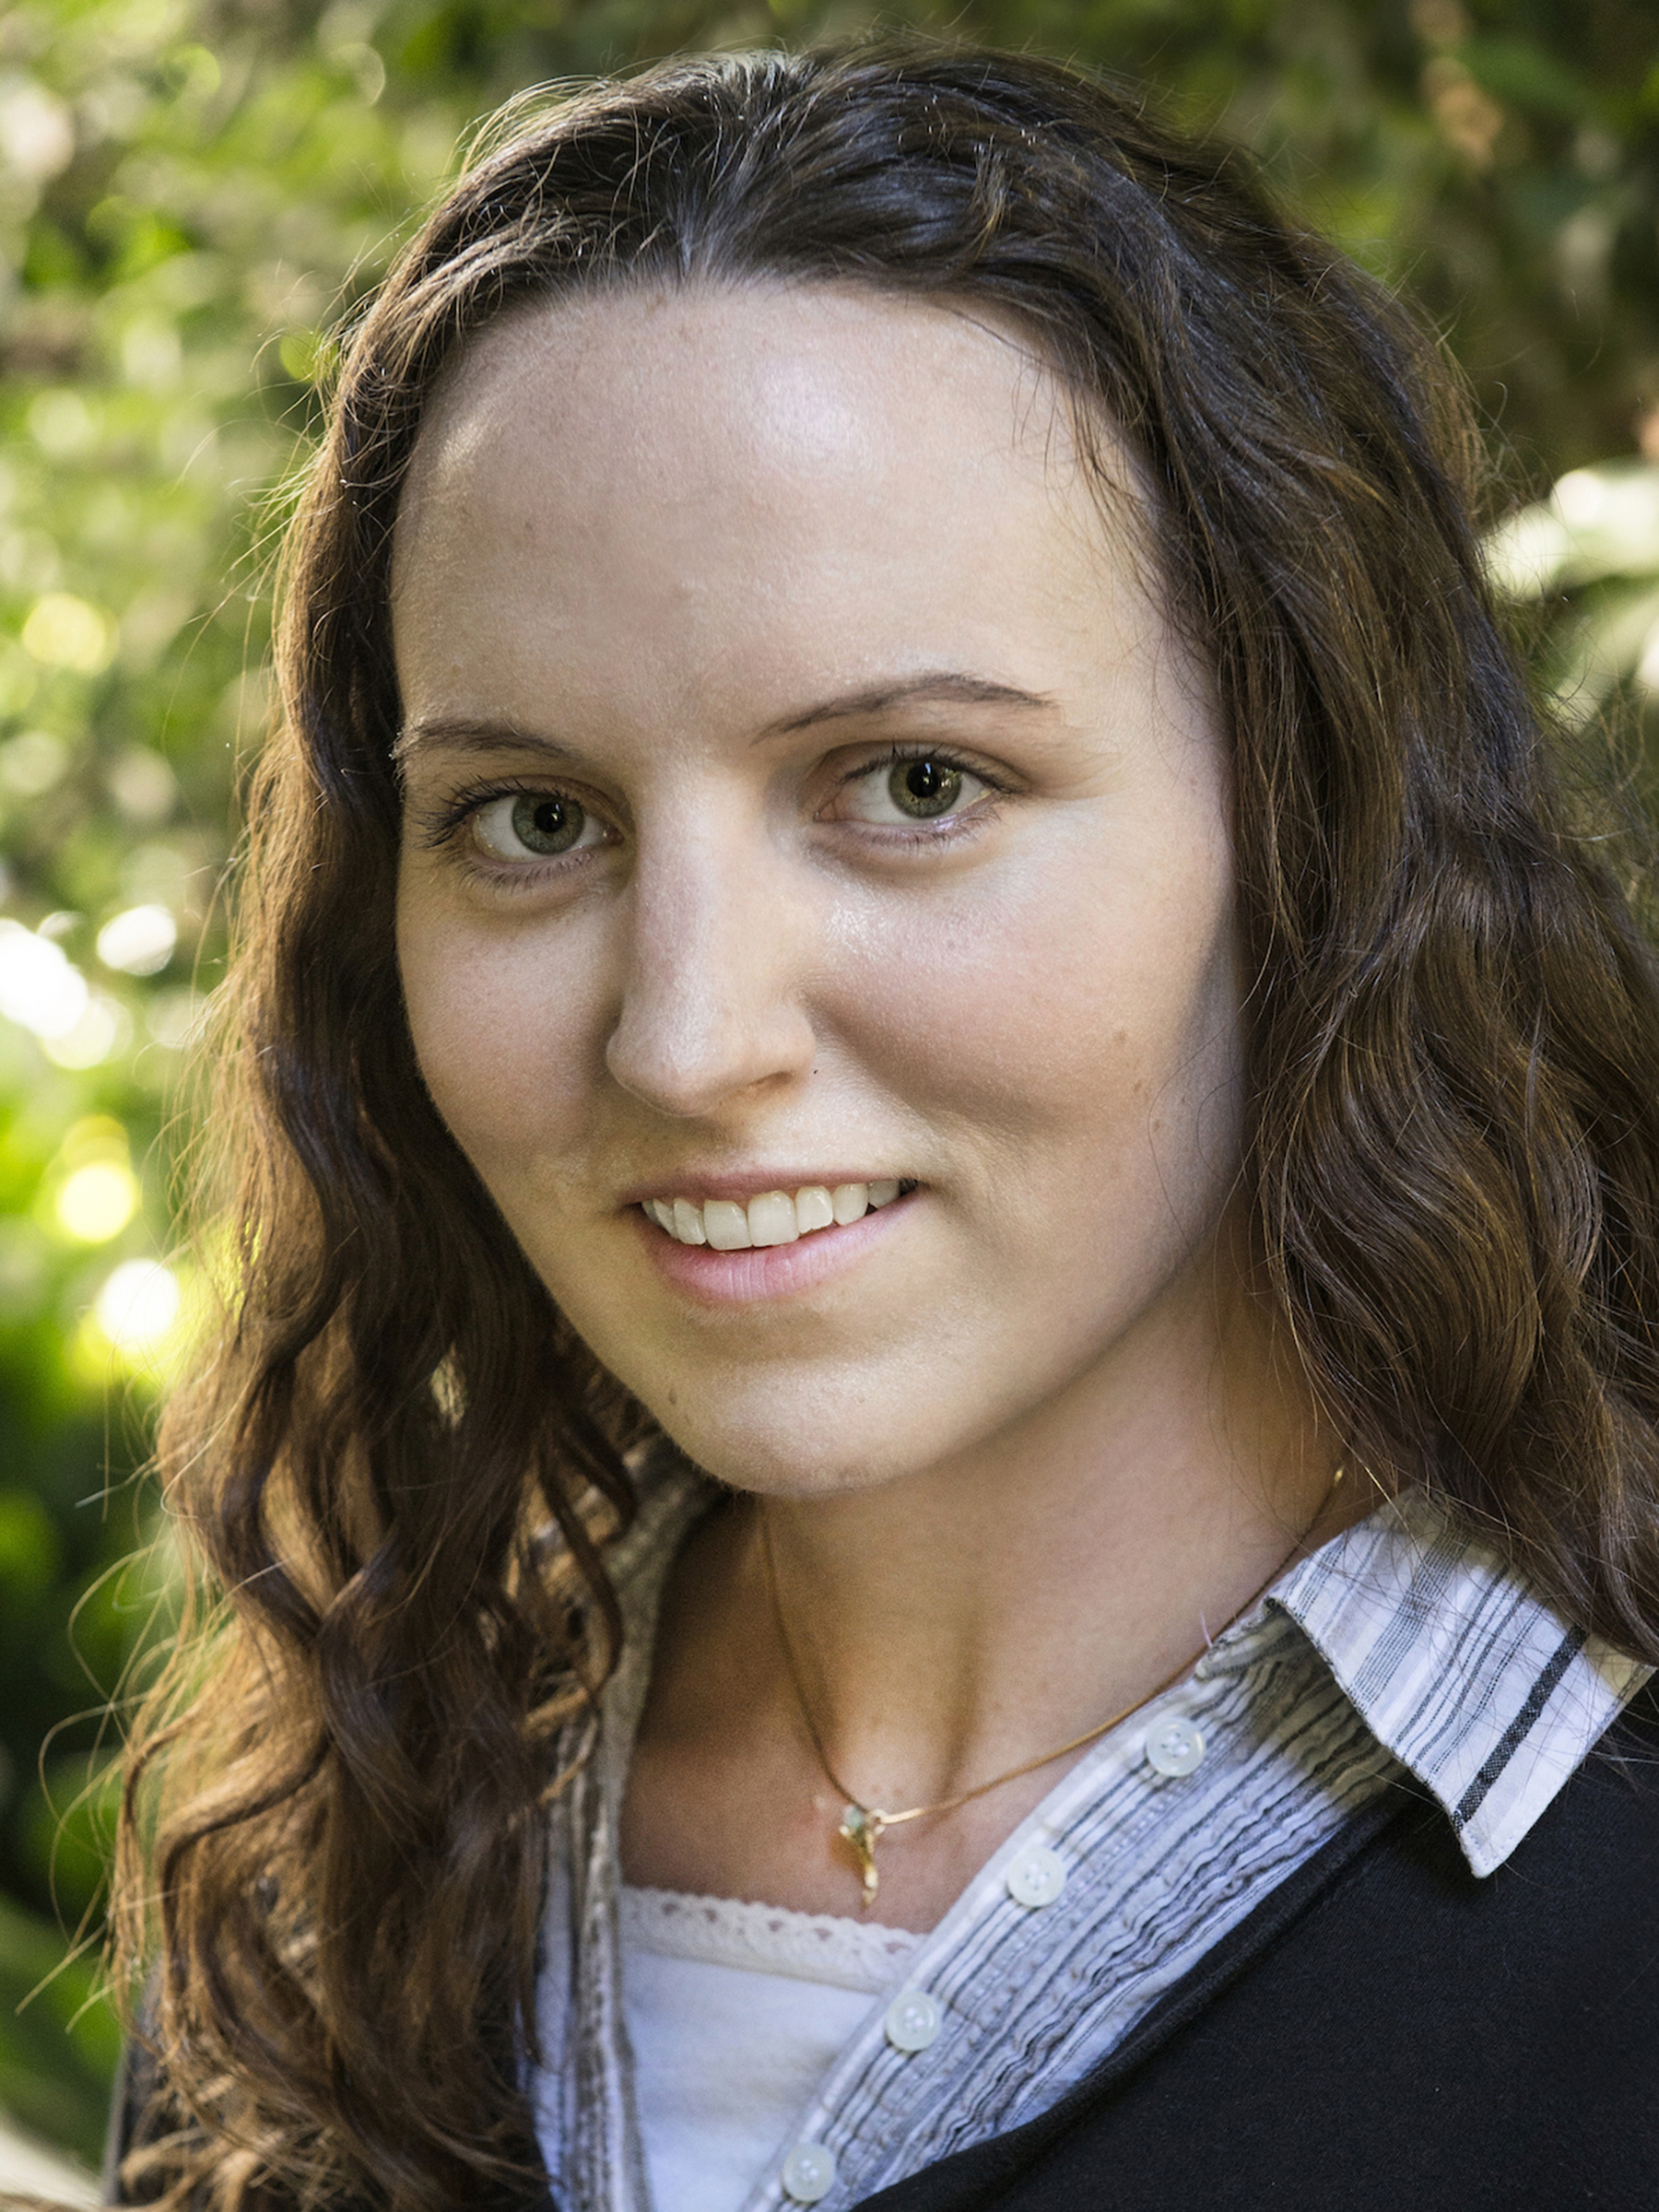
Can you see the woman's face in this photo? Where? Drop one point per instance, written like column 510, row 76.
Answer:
column 806, row 791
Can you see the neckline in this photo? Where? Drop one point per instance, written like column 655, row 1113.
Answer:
column 829, row 1947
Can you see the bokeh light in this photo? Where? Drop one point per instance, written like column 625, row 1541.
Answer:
column 139, row 1305
column 97, row 1202
column 138, row 942
column 67, row 632
column 39, row 987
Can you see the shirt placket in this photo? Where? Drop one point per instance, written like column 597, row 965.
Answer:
column 831, row 2160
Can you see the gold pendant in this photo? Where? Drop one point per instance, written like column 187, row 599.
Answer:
column 862, row 1830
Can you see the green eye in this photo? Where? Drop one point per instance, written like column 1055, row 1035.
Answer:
column 536, row 824
column 547, row 823
column 924, row 788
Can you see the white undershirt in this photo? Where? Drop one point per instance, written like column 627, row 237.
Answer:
column 735, row 2012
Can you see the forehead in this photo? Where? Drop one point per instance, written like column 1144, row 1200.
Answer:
column 808, row 381
column 705, row 485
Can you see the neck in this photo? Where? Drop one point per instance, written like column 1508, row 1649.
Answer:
column 982, row 1610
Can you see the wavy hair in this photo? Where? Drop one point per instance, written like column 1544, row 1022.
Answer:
column 399, row 1469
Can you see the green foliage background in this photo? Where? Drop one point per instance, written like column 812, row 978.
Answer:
column 191, row 194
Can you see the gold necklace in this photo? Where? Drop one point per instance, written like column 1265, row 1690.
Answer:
column 863, row 1826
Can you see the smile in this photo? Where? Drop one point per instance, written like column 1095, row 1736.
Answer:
column 772, row 1216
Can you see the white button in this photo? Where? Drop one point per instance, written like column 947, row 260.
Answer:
column 1037, row 1876
column 1173, row 1745
column 913, row 2020
column 808, row 2173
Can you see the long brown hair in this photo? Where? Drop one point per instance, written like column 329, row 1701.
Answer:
column 400, row 1469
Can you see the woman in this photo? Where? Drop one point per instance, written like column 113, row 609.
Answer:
column 935, row 1465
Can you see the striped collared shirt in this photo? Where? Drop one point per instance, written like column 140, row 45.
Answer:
column 1401, row 1653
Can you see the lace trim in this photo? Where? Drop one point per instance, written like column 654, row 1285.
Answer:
column 767, row 1940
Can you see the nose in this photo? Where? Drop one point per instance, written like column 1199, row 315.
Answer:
column 712, row 1008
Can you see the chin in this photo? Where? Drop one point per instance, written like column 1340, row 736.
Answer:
column 773, row 1443
column 778, row 1458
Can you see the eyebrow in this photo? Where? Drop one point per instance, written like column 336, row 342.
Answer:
column 938, row 687
column 472, row 734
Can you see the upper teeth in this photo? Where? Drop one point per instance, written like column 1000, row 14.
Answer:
column 774, row 1217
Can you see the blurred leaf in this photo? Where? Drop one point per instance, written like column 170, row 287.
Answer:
column 28, row 1548
column 68, row 1824
column 58, row 2039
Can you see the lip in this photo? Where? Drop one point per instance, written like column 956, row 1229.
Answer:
column 770, row 1271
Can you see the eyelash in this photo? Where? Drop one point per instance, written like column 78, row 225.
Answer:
column 442, row 826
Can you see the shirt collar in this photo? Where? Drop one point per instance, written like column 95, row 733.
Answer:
column 1458, row 1666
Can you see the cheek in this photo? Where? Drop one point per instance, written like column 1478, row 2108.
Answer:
column 1085, row 1013
column 504, row 1027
